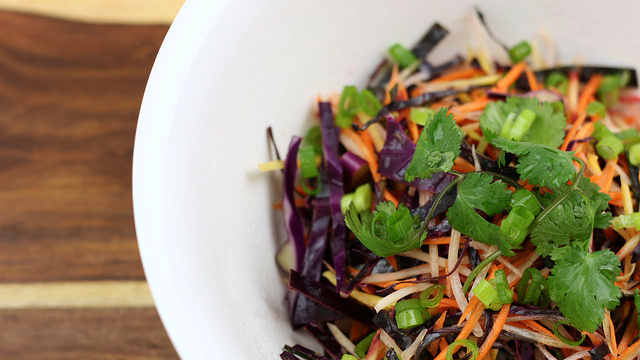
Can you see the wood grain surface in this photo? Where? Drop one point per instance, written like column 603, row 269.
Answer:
column 70, row 93
column 87, row 334
column 69, row 99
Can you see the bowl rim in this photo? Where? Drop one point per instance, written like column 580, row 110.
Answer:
column 159, row 103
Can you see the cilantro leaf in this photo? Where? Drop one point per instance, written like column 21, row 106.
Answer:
column 477, row 191
column 541, row 165
column 572, row 221
column 547, row 128
column 387, row 231
column 582, row 284
column 437, row 147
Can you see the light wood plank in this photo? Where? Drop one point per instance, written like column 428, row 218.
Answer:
column 83, row 334
column 100, row 11
column 79, row 294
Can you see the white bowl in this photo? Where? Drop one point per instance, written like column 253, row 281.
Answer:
column 226, row 71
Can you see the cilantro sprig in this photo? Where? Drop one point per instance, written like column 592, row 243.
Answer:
column 583, row 285
column 478, row 191
column 387, row 231
column 437, row 148
column 541, row 165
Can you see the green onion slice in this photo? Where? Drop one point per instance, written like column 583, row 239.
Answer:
column 564, row 339
column 486, row 293
column 364, row 344
column 408, row 304
column 309, row 168
column 411, row 318
column 432, row 296
column 557, row 80
column 505, row 294
column 596, row 108
column 348, row 357
column 470, row 345
column 403, row 56
column 525, row 198
column 537, row 292
column 609, row 147
column 520, row 51
column 634, row 155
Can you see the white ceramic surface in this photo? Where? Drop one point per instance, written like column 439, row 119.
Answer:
column 226, row 71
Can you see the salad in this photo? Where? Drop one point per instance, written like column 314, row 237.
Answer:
column 481, row 208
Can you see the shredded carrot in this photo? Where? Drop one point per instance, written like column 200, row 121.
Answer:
column 588, row 92
column 572, row 95
column 534, row 85
column 463, row 165
column 465, row 73
column 392, row 261
column 495, row 331
column 585, row 131
column 572, row 132
column 476, row 105
column 443, row 240
column 541, row 329
column 447, row 303
column 356, row 330
column 631, row 351
column 392, row 82
column 612, row 334
column 511, row 77
column 606, row 178
column 472, row 303
column 433, row 348
column 397, row 284
column 387, row 196
column 616, row 195
column 278, row 205
column 366, row 149
column 476, row 313
column 593, row 338
column 616, row 202
column 629, row 333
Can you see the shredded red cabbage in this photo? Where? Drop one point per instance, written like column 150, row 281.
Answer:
column 330, row 148
column 292, row 220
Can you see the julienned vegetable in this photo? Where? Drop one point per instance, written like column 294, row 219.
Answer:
column 480, row 210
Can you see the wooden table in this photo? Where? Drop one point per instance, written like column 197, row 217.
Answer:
column 71, row 281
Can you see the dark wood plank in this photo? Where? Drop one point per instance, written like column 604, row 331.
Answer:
column 69, row 99
column 123, row 334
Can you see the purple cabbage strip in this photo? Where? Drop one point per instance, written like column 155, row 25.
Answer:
column 303, row 352
column 355, row 169
column 304, row 308
column 292, row 219
column 386, row 323
column 327, row 341
column 395, row 156
column 372, row 261
column 524, row 350
column 572, row 143
column 285, row 355
column 330, row 298
column 330, row 148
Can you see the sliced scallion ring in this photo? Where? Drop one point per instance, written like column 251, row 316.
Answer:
column 470, row 345
column 431, row 297
column 556, row 331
